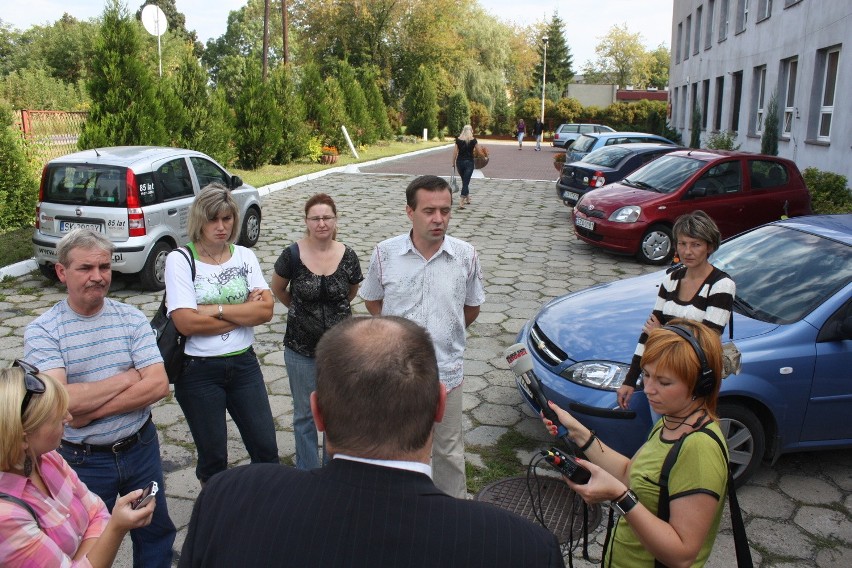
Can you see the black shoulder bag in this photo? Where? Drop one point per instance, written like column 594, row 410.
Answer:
column 170, row 341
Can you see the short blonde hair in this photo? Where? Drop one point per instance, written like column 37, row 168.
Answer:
column 466, row 133
column 213, row 200
column 42, row 408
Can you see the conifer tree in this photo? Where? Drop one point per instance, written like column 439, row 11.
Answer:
column 375, row 103
column 421, row 104
column 257, row 121
column 295, row 131
column 769, row 139
column 361, row 129
column 695, row 128
column 559, row 59
column 458, row 113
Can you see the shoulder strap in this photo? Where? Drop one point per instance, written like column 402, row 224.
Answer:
column 22, row 503
column 187, row 254
column 294, row 259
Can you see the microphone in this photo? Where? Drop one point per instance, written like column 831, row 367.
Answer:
column 520, row 362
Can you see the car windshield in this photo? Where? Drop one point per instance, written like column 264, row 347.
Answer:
column 781, row 273
column 665, row 174
column 584, row 143
column 607, row 157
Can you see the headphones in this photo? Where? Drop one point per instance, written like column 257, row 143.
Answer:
column 706, row 377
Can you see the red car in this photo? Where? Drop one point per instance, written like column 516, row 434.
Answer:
column 739, row 190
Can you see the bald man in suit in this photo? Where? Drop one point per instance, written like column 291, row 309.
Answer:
column 377, row 399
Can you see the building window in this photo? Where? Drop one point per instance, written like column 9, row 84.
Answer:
column 790, row 68
column 788, row 3
column 764, row 9
column 679, row 42
column 705, row 102
column 708, row 33
column 742, row 15
column 697, row 43
column 828, row 83
column 684, row 95
column 723, row 19
column 737, row 100
column 759, row 97
column 688, row 38
column 717, row 118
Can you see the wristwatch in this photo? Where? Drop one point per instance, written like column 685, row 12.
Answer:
column 625, row 503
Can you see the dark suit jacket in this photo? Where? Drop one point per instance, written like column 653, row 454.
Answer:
column 351, row 514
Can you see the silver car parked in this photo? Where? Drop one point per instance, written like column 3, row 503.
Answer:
column 139, row 197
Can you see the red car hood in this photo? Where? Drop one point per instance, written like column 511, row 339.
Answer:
column 611, row 197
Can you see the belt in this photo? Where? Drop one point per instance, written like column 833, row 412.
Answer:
column 249, row 349
column 120, row 446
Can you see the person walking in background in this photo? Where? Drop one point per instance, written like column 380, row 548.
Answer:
column 378, row 396
column 105, row 354
column 217, row 312
column 463, row 161
column 695, row 289
column 435, row 280
column 521, row 130
column 48, row 517
column 538, row 130
column 316, row 278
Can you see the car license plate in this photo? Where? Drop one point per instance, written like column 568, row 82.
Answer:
column 584, row 224
column 570, row 195
column 66, row 226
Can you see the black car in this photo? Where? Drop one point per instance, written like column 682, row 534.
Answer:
column 605, row 165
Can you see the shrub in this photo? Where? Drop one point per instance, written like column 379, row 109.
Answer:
column 294, row 129
column 829, row 191
column 769, row 140
column 721, row 141
column 18, row 182
column 480, row 119
column 257, row 122
column 695, row 128
column 458, row 113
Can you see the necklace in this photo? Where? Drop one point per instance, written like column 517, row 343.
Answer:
column 218, row 261
column 679, row 421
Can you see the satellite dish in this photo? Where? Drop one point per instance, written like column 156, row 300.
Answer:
column 154, row 20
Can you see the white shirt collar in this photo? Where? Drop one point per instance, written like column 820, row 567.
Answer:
column 418, row 467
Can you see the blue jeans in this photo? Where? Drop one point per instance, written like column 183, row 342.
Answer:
column 302, row 373
column 108, row 474
column 207, row 388
column 465, row 168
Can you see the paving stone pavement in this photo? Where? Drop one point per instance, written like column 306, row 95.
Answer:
column 798, row 512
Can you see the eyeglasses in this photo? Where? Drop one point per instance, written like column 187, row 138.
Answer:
column 324, row 218
column 32, row 383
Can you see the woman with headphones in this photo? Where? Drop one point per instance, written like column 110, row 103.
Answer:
column 670, row 508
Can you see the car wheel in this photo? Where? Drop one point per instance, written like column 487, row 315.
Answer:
column 250, row 232
column 746, row 440
column 153, row 275
column 657, row 245
column 49, row 272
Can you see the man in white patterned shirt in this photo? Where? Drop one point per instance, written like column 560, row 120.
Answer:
column 435, row 280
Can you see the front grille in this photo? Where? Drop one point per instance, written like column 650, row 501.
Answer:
column 590, row 212
column 545, row 348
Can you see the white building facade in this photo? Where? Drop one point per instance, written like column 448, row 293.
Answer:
column 730, row 56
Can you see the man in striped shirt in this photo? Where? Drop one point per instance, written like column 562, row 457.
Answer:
column 105, row 353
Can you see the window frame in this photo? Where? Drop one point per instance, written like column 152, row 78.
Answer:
column 791, row 71
column 827, row 110
column 760, row 98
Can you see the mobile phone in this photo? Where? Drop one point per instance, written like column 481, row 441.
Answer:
column 147, row 494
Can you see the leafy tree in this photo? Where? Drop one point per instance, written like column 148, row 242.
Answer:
column 458, row 113
column 36, row 89
column 502, row 121
column 695, row 128
column 421, row 104
column 621, row 59
column 480, row 118
column 125, row 109
column 361, row 129
column 657, row 67
column 257, row 121
column 559, row 59
column 18, row 184
column 769, row 139
column 375, row 103
column 295, row 132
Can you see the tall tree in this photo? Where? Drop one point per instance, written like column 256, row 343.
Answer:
column 125, row 109
column 257, row 121
column 458, row 113
column 421, row 104
column 657, row 67
column 559, row 59
column 295, row 131
column 362, row 129
column 375, row 102
column 621, row 58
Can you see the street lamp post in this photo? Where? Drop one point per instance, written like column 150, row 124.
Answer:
column 543, row 79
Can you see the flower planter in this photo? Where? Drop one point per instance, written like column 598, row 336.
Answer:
column 480, row 162
column 328, row 159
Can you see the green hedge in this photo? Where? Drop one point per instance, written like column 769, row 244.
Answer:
column 829, row 191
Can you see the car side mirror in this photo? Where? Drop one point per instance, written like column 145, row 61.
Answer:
column 236, row 181
column 696, row 191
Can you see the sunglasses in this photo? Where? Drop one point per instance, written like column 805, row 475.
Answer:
column 32, row 383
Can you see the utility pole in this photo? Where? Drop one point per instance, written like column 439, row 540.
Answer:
column 543, row 78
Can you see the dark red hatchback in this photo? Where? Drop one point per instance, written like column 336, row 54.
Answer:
column 739, row 190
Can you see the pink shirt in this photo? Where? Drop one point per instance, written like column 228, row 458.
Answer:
column 68, row 516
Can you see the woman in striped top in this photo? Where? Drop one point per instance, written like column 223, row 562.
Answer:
column 694, row 290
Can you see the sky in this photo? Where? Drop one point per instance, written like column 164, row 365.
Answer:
column 652, row 18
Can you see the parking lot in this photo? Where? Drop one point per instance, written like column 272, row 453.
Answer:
column 797, row 512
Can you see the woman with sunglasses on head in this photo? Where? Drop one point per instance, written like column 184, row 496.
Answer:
column 47, row 515
column 316, row 278
column 682, row 364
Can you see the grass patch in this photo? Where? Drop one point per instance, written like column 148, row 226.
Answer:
column 17, row 246
column 270, row 174
column 501, row 460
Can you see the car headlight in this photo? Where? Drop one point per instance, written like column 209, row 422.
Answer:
column 606, row 375
column 627, row 214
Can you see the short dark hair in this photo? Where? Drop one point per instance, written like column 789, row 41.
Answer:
column 377, row 386
column 698, row 225
column 427, row 182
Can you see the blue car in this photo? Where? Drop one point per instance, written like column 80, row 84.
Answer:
column 792, row 323
column 594, row 140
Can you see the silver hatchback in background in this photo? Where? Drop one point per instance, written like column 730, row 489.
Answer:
column 139, row 197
